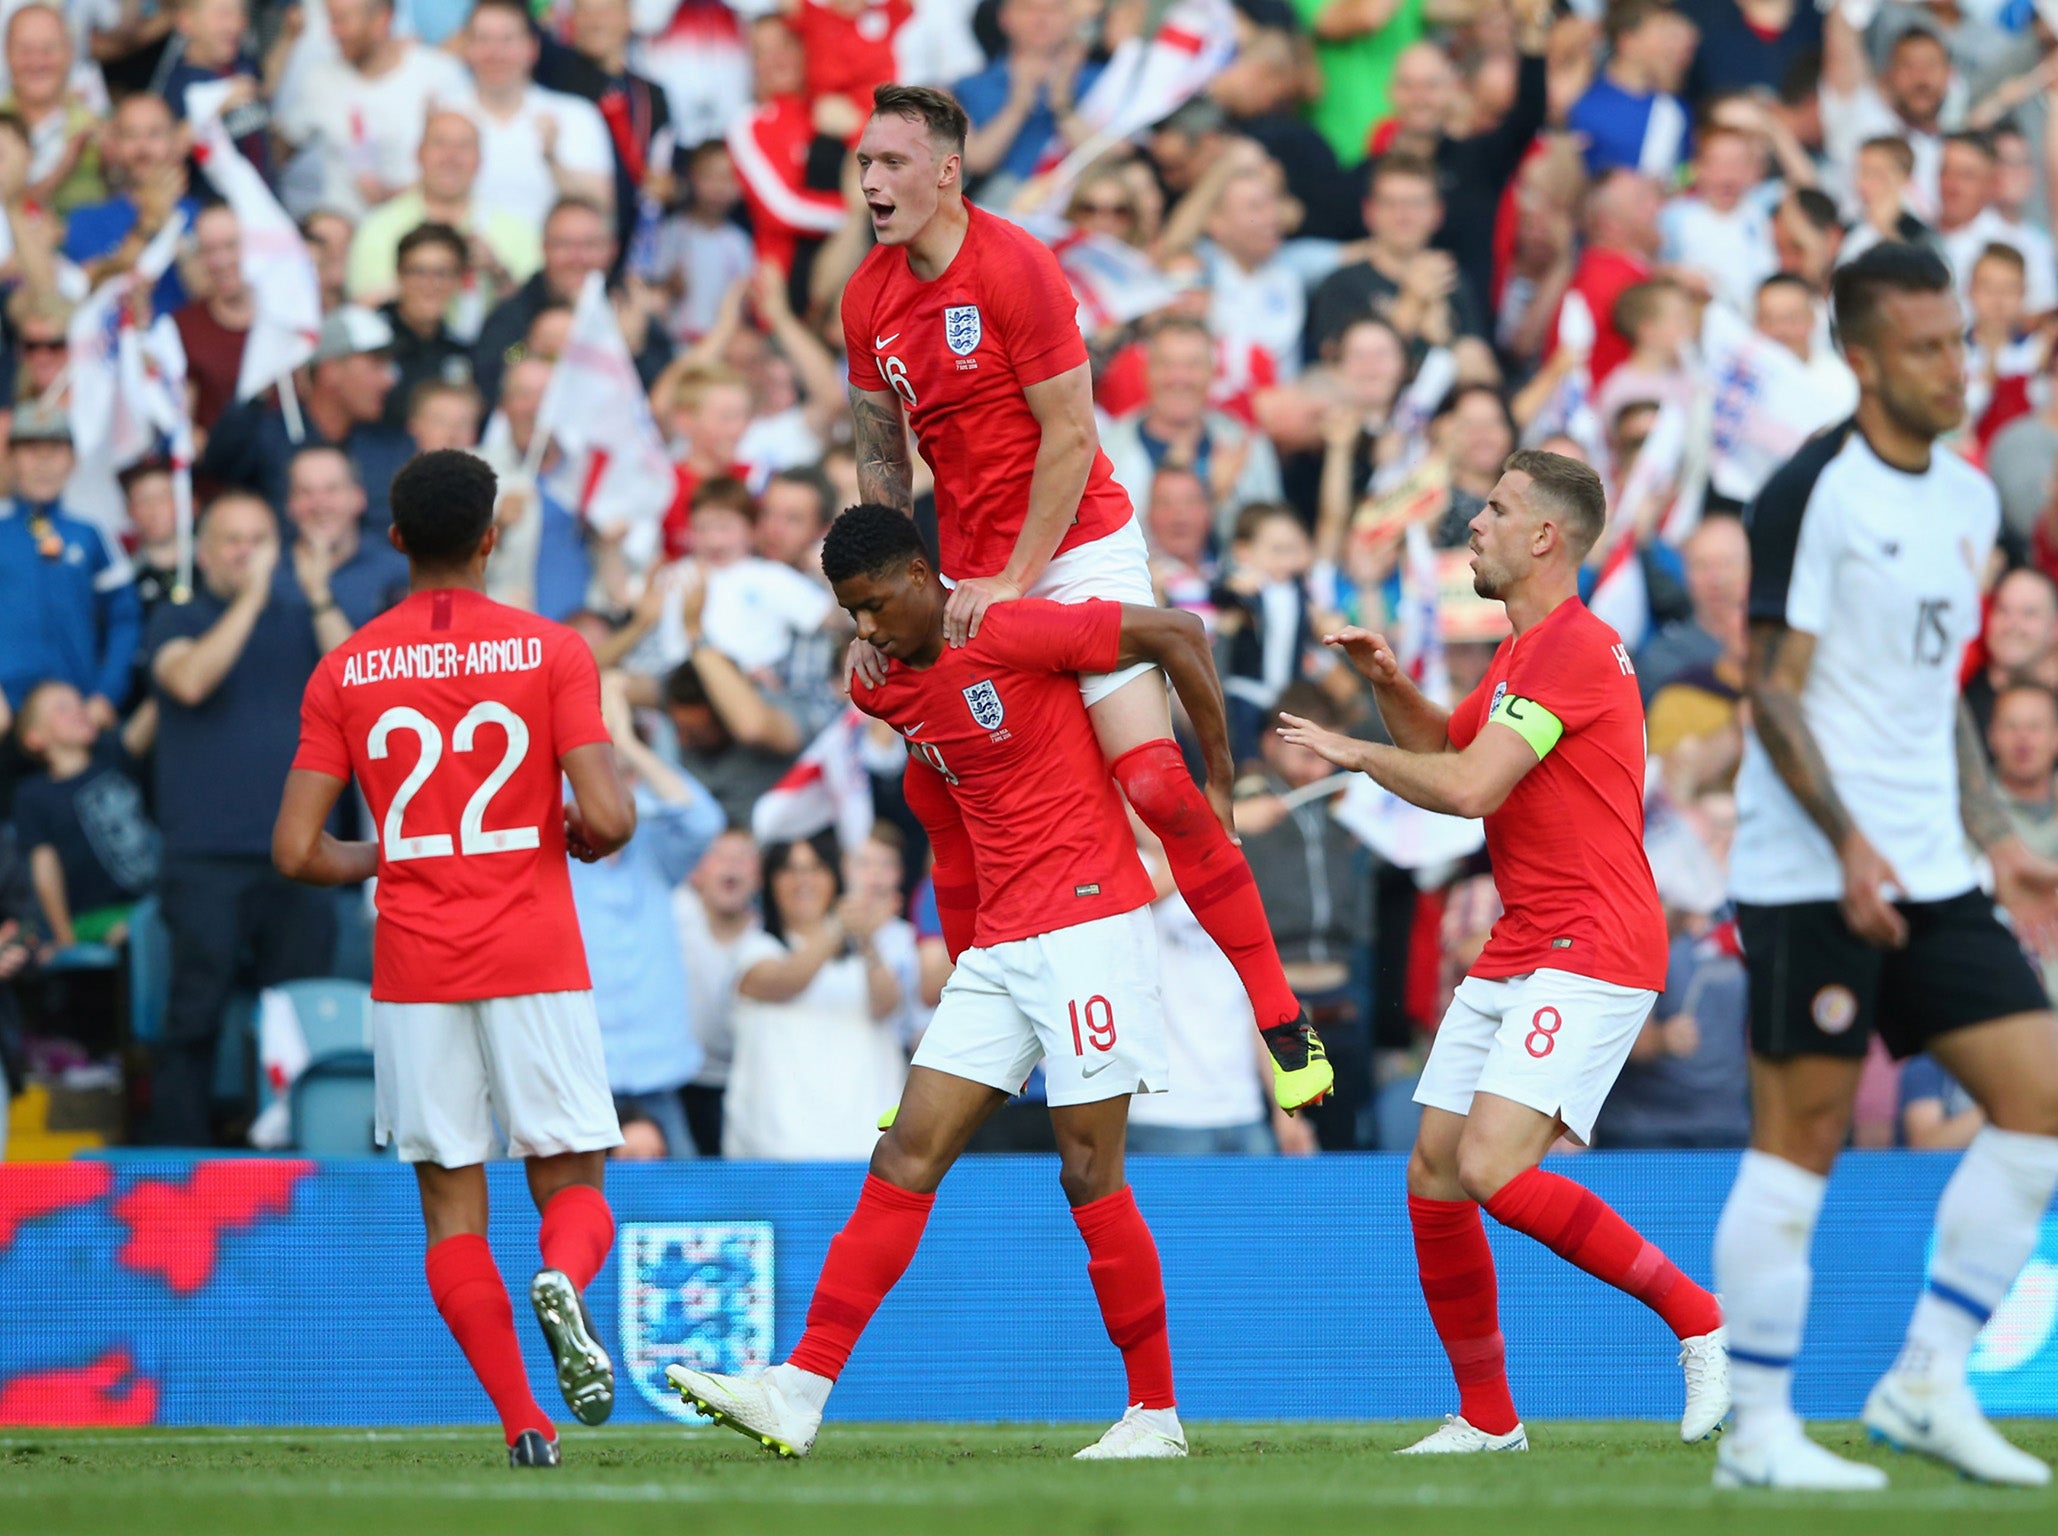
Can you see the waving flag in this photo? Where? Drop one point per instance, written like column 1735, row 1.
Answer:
column 613, row 470
column 1569, row 410
column 1113, row 281
column 285, row 291
column 1420, row 649
column 827, row 787
column 1765, row 403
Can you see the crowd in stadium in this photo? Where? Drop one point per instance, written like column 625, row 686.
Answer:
column 1383, row 245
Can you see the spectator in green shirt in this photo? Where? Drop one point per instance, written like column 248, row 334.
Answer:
column 1356, row 44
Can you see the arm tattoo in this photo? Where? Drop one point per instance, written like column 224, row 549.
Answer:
column 1979, row 802
column 881, row 441
column 1779, row 668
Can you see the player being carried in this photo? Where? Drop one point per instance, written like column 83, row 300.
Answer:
column 1059, row 965
column 962, row 326
column 1549, row 749
column 456, row 716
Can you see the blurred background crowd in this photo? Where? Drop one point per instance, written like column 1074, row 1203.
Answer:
column 1335, row 259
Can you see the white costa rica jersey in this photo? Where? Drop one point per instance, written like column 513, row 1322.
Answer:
column 1883, row 568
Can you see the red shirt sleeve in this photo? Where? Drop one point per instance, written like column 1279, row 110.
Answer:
column 574, row 696
column 954, row 875
column 323, row 747
column 1467, row 718
column 1566, row 669
column 1033, row 634
column 1036, row 312
column 857, row 315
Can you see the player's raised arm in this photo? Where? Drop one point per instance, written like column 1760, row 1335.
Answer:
column 303, row 848
column 1416, row 722
column 879, row 437
column 1472, row 783
column 1063, row 408
column 1178, row 642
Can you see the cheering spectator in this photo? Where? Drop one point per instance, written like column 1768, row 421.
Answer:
column 717, row 913
column 64, row 130
column 504, row 250
column 328, row 241
column 2023, row 455
column 632, row 938
column 1419, row 290
column 702, row 252
column 431, row 265
column 1176, row 426
column 540, row 560
column 732, row 737
column 2023, row 740
column 68, row 606
column 1020, row 103
column 1723, row 228
column 535, row 145
column 206, row 48
column 817, row 1059
column 229, row 669
column 792, row 517
column 444, row 415
column 1968, row 222
column 1622, row 241
column 2020, row 640
column 1262, row 623
column 349, row 579
column 2002, row 355
column 361, row 112
column 1356, row 45
column 1631, row 116
column 1262, row 89
column 1788, row 312
column 1906, row 102
column 1717, row 557
column 147, row 149
column 1660, row 321
column 1885, row 168
column 92, row 849
column 214, row 325
column 1180, row 527
column 705, row 408
column 343, row 405
column 754, row 610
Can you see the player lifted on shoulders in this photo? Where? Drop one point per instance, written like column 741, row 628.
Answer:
column 1549, row 749
column 961, row 325
column 1062, row 965
column 1859, row 907
column 456, row 716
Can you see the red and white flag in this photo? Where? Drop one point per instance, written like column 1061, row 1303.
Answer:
column 285, row 290
column 1420, row 649
column 1113, row 281
column 827, row 787
column 613, row 469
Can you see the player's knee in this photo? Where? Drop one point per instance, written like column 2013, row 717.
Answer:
column 1089, row 1173
column 1155, row 780
column 1806, row 1135
column 1432, row 1172
column 907, row 1161
column 1484, row 1169
column 2028, row 1109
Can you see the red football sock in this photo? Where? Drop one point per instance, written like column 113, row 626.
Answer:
column 866, row 1260
column 578, row 1230
column 1122, row 1263
column 466, row 1285
column 1577, row 1224
column 1211, row 873
column 1456, row 1267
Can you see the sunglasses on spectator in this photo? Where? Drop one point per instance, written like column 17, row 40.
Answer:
column 1105, row 211
column 43, row 343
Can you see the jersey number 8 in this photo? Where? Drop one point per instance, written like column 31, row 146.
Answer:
column 472, row 836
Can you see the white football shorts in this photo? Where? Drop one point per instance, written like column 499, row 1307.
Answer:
column 1115, row 566
column 445, row 1071
column 1551, row 1040
column 1083, row 1000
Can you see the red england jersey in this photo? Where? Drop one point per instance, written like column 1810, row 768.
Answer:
column 1001, row 720
column 452, row 712
column 1568, row 844
column 959, row 352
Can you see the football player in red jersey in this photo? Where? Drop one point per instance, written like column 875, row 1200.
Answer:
column 1549, row 750
column 1046, row 910
column 459, row 718
column 960, row 325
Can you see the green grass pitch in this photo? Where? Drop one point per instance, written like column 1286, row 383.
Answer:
column 952, row 1480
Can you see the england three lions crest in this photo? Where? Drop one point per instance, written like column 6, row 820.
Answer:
column 984, row 701
column 694, row 1294
column 961, row 329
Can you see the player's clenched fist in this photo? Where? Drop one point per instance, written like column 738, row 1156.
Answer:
column 1367, row 652
column 968, row 603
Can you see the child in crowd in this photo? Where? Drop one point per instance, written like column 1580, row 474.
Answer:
column 705, row 409
column 702, row 251
column 2002, row 354
column 93, row 851
column 1660, row 319
column 1264, row 633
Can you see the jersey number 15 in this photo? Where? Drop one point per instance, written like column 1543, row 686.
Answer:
column 472, row 835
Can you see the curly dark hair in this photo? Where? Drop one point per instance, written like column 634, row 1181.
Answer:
column 443, row 504
column 868, row 538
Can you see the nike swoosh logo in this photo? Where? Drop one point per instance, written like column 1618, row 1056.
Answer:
column 1096, row 1071
column 881, row 343
column 909, row 730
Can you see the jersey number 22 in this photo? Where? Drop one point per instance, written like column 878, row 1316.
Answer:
column 472, row 835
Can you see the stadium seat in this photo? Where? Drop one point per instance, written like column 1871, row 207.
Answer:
column 335, row 1014
column 332, row 1107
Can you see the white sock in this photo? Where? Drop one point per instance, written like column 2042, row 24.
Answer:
column 1164, row 1420
column 803, row 1387
column 1763, row 1276
column 1987, row 1224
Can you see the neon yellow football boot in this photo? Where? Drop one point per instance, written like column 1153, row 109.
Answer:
column 1301, row 1074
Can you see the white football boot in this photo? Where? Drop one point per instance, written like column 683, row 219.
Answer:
column 1942, row 1419
column 1704, row 1360
column 1141, row 1434
column 753, row 1406
column 1458, row 1438
column 1784, row 1457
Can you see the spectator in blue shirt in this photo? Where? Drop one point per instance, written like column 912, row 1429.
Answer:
column 146, row 147
column 206, row 47
column 632, row 937
column 68, row 605
column 332, row 556
column 343, row 393
column 1631, row 116
column 1936, row 1114
column 1019, row 103
column 229, row 668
